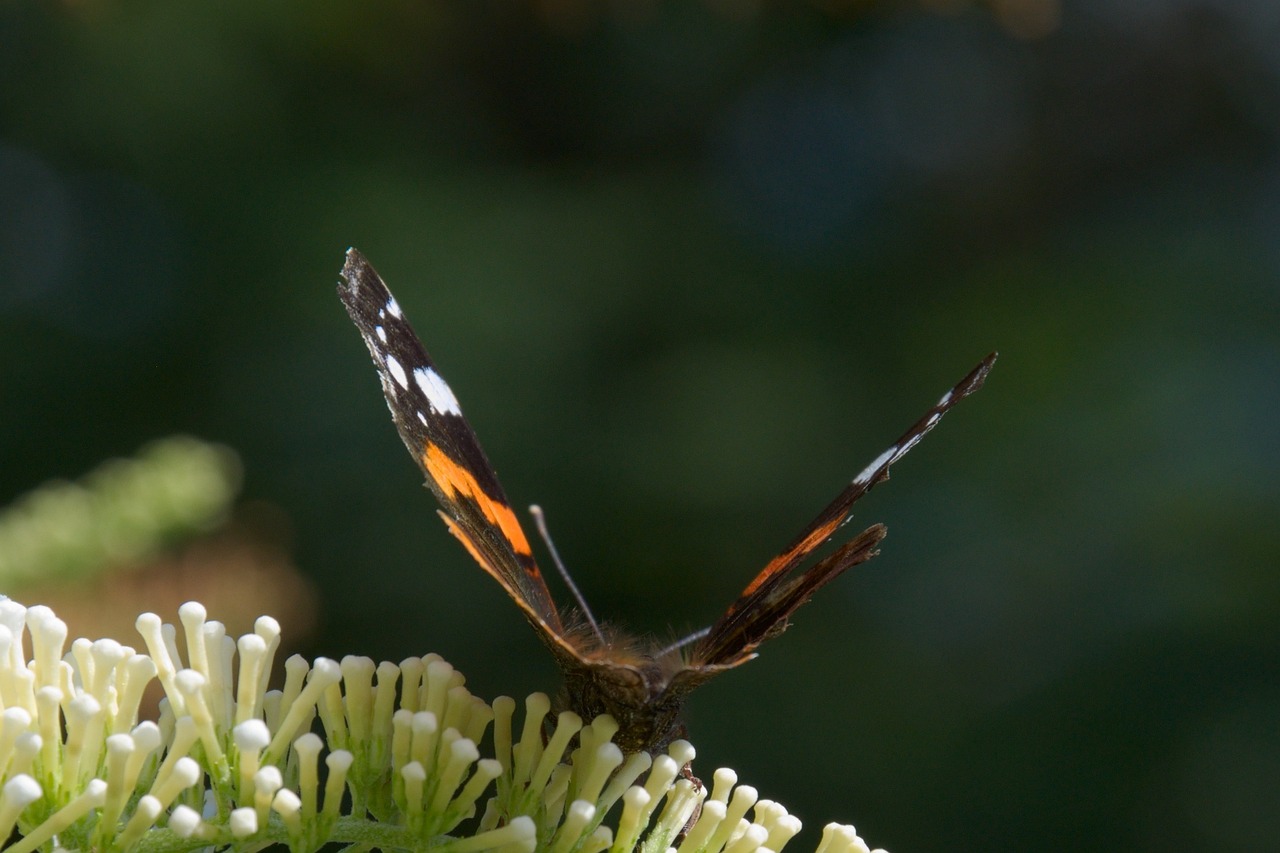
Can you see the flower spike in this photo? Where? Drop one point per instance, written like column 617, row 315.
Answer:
column 229, row 763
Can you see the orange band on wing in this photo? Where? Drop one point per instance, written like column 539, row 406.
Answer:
column 786, row 560
column 454, row 480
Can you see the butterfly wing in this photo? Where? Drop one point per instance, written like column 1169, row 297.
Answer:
column 762, row 609
column 426, row 413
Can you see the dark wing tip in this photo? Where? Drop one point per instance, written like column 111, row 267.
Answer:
column 355, row 268
column 985, row 367
column 976, row 377
column 361, row 289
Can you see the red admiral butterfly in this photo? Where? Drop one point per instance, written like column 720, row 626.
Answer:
column 642, row 684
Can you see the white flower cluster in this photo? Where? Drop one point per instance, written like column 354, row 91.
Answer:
column 230, row 763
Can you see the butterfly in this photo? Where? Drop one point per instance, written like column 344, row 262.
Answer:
column 642, row 684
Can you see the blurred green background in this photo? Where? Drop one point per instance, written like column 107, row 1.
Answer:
column 689, row 266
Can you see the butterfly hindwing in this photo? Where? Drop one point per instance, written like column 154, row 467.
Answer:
column 432, row 426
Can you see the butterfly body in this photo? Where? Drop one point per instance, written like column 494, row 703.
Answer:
column 638, row 695
column 642, row 685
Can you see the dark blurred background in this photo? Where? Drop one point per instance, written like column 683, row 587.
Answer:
column 689, row 266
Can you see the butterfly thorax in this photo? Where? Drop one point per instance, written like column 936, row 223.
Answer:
column 640, row 684
column 639, row 695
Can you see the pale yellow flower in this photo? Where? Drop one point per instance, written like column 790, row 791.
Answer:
column 230, row 763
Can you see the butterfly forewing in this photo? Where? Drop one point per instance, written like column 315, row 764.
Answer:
column 765, row 604
column 432, row 426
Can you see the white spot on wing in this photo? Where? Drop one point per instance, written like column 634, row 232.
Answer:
column 422, row 418
column 393, row 308
column 911, row 442
column 946, row 398
column 875, row 465
column 381, row 333
column 397, row 371
column 437, row 390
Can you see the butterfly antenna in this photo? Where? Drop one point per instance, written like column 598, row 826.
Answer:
column 684, row 641
column 541, row 522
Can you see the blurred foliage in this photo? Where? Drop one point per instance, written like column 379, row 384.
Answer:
column 151, row 532
column 689, row 266
column 124, row 512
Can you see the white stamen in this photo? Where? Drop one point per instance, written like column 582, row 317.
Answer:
column 267, row 781
column 184, row 821
column 243, row 822
column 22, row 790
column 251, row 736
